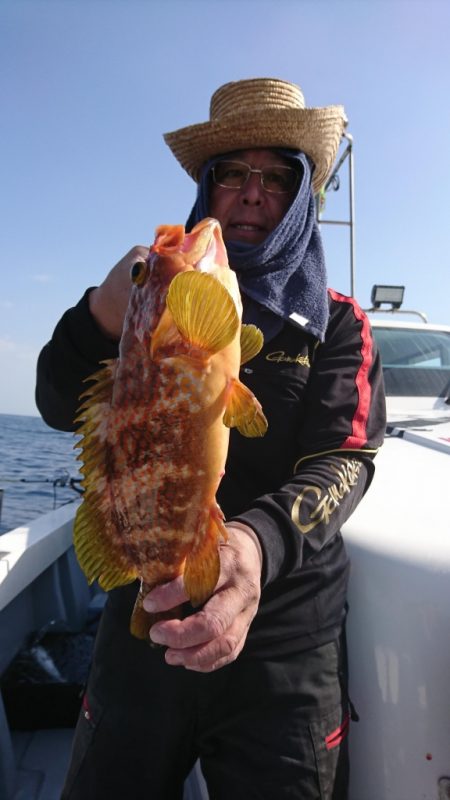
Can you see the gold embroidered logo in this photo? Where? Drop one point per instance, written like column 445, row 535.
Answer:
column 280, row 356
column 348, row 477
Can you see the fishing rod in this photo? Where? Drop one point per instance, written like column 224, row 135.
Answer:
column 62, row 479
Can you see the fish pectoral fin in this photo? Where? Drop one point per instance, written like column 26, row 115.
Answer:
column 97, row 556
column 243, row 411
column 252, row 341
column 202, row 567
column 164, row 334
column 203, row 310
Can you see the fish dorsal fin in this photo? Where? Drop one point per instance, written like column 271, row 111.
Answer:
column 99, row 557
column 252, row 341
column 102, row 388
column 203, row 310
column 243, row 411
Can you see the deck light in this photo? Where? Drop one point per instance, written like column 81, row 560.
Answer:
column 387, row 294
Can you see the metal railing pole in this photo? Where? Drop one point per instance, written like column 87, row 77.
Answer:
column 348, row 153
column 351, row 182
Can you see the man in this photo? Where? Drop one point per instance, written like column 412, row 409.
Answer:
column 261, row 696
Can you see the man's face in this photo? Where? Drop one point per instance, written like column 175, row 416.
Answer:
column 250, row 213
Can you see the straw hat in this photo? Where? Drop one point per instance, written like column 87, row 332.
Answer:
column 261, row 112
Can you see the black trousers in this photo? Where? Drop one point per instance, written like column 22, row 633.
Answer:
column 264, row 729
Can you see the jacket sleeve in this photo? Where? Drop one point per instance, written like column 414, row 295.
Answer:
column 73, row 354
column 342, row 429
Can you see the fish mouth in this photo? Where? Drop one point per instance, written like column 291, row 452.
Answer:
column 205, row 245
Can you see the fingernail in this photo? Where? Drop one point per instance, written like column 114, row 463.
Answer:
column 149, row 605
column 156, row 636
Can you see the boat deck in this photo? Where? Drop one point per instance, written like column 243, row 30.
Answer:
column 42, row 758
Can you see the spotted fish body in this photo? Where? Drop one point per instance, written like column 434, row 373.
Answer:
column 155, row 423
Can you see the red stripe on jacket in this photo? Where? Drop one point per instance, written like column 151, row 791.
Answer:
column 358, row 436
column 337, row 736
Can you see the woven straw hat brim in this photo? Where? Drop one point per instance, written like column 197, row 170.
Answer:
column 315, row 131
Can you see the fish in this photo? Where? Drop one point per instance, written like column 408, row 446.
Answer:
column 154, row 423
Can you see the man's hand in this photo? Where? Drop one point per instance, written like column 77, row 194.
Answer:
column 108, row 302
column 214, row 636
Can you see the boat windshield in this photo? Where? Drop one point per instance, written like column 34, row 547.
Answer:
column 416, row 363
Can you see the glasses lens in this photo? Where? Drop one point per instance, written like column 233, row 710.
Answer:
column 234, row 174
column 279, row 179
column 231, row 174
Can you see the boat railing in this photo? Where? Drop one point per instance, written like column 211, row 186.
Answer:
column 333, row 184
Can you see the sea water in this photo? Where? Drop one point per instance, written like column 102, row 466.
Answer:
column 38, row 469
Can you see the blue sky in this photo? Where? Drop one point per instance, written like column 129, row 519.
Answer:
column 88, row 86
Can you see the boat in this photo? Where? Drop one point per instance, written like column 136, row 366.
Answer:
column 398, row 540
column 44, row 595
column 399, row 593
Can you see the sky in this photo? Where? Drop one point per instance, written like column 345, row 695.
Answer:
column 87, row 87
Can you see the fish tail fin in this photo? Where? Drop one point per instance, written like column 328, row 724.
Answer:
column 203, row 310
column 141, row 620
column 202, row 567
column 243, row 411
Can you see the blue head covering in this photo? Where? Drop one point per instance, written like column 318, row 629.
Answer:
column 285, row 273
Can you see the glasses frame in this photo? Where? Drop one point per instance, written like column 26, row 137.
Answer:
column 259, row 172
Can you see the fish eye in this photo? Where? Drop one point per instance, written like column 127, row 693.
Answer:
column 139, row 272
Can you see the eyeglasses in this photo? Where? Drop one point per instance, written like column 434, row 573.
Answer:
column 235, row 174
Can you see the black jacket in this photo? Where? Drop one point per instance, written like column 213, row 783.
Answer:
column 295, row 486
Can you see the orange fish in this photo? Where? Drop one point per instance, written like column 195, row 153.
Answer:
column 155, row 423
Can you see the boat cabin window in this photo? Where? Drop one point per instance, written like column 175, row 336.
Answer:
column 415, row 362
